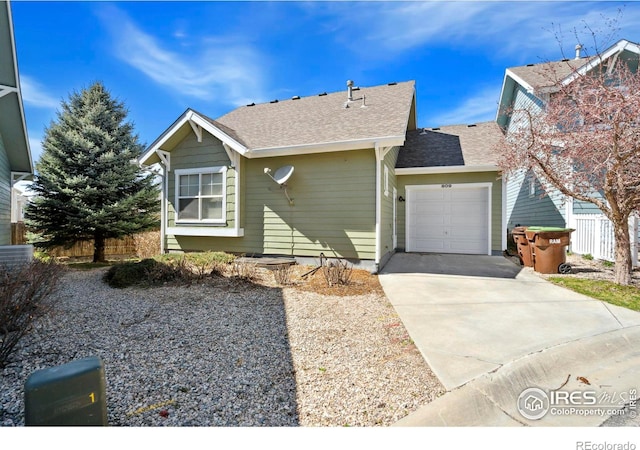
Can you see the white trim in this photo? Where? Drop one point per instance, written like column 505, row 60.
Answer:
column 205, row 231
column 197, row 130
column 200, row 171
column 410, row 189
column 326, row 147
column 6, row 90
column 14, row 57
column 378, row 152
column 618, row 47
column 193, row 119
column 394, row 225
column 530, row 89
column 503, row 208
column 445, row 169
column 386, row 180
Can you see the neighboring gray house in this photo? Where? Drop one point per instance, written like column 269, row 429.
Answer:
column 365, row 181
column 15, row 156
column 528, row 200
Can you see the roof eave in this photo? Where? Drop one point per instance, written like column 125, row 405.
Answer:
column 446, row 169
column 189, row 116
column 24, row 161
column 325, row 147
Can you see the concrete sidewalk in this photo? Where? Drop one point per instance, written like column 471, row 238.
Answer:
column 489, row 330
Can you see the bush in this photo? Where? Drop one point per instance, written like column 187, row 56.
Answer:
column 25, row 296
column 337, row 273
column 177, row 268
column 282, row 274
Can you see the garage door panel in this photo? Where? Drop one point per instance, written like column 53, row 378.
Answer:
column 448, row 220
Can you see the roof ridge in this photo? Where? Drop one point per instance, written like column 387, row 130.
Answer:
column 321, row 94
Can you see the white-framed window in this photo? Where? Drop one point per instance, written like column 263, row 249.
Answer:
column 201, row 195
column 532, row 187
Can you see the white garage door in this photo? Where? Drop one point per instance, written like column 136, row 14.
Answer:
column 448, row 219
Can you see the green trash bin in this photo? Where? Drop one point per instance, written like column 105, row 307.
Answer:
column 72, row 394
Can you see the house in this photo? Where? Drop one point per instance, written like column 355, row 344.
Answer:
column 15, row 155
column 362, row 181
column 528, row 200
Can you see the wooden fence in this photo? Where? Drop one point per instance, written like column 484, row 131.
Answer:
column 141, row 245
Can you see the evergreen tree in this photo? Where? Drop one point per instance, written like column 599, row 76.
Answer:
column 87, row 188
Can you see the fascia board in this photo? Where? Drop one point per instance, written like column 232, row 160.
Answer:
column 445, row 169
column 304, row 149
column 190, row 115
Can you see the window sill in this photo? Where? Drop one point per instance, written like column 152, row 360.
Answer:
column 214, row 231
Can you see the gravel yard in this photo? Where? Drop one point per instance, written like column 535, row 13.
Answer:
column 230, row 353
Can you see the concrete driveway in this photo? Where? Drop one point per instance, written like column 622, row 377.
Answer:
column 478, row 318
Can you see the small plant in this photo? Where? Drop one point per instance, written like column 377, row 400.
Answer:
column 282, row 274
column 608, row 264
column 588, row 256
column 337, row 273
column 25, row 296
column 244, row 270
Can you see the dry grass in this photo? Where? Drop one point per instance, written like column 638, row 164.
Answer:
column 361, row 282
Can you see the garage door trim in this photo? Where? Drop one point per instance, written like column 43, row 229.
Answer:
column 411, row 189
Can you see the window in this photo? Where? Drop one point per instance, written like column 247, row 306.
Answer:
column 201, row 195
column 532, row 186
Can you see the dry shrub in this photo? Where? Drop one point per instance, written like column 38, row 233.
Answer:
column 25, row 296
column 282, row 274
column 337, row 272
column 244, row 270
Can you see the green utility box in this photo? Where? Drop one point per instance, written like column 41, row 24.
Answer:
column 72, row 394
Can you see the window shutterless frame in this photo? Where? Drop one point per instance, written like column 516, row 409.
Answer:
column 200, row 195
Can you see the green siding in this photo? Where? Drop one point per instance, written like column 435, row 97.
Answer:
column 191, row 154
column 387, row 201
column 333, row 211
column 5, row 196
column 455, row 178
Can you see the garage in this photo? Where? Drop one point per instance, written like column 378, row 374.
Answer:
column 449, row 218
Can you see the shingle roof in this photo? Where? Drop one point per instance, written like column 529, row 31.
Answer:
column 454, row 145
column 323, row 118
column 549, row 73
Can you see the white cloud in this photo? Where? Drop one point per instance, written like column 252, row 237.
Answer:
column 481, row 107
column 225, row 70
column 510, row 28
column 35, row 94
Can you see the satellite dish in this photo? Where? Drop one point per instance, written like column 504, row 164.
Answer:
column 283, row 174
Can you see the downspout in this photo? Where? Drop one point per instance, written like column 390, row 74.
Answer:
column 163, row 210
column 503, row 201
column 378, row 153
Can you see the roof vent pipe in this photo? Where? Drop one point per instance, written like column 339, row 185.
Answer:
column 578, row 49
column 349, row 90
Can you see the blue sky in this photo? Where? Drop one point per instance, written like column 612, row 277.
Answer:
column 160, row 58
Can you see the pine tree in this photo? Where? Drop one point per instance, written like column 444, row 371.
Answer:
column 87, row 188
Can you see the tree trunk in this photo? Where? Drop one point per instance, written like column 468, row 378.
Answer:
column 98, row 248
column 623, row 264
